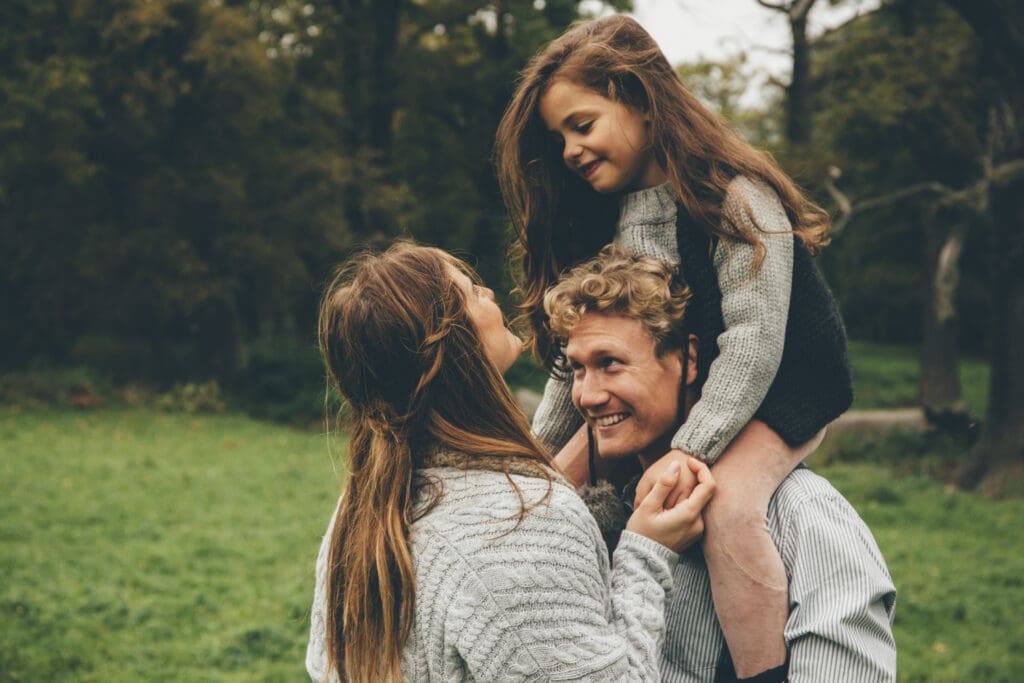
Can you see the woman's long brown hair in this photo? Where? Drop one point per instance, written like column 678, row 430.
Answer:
column 559, row 220
column 398, row 344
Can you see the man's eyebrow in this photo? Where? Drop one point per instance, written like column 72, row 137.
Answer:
column 598, row 353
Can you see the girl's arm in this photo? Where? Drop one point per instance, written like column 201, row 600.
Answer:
column 755, row 306
column 556, row 419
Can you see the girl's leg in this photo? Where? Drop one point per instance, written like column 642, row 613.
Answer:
column 748, row 581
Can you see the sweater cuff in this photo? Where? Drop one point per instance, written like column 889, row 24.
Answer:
column 652, row 550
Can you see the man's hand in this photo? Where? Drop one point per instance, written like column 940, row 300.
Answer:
column 684, row 485
column 679, row 526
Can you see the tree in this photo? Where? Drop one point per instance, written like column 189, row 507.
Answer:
column 904, row 121
column 999, row 27
column 799, row 92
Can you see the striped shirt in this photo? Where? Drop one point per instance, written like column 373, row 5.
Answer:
column 841, row 597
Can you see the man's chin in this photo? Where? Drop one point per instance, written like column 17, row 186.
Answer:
column 613, row 449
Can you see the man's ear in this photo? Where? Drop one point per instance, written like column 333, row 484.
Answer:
column 691, row 359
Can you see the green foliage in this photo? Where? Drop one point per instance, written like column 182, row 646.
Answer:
column 899, row 104
column 160, row 547
column 50, row 387
column 192, row 398
column 283, row 381
column 722, row 85
column 178, row 176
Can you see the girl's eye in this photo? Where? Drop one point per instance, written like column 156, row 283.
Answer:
column 584, row 127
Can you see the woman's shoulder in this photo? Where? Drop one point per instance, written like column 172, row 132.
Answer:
column 483, row 509
column 491, row 491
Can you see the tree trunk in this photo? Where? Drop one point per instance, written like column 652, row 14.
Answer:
column 383, row 76
column 1000, row 450
column 798, row 93
column 939, row 387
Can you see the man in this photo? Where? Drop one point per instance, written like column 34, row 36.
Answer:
column 621, row 319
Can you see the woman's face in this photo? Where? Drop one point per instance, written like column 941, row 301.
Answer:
column 501, row 346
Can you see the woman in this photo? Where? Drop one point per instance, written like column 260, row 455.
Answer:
column 457, row 552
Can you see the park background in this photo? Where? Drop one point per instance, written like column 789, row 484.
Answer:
column 178, row 178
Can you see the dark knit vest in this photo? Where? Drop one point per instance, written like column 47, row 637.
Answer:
column 813, row 385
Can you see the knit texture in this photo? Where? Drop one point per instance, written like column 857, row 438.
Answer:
column 812, row 383
column 535, row 601
column 753, row 305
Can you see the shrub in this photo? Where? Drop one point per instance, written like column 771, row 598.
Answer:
column 193, row 397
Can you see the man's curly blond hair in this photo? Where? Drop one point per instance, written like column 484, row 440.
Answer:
column 616, row 282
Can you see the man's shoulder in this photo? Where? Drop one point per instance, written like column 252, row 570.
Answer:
column 803, row 485
column 803, row 495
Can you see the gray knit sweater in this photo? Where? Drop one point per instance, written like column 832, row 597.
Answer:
column 533, row 602
column 754, row 309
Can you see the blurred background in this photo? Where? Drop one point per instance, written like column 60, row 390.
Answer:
column 179, row 177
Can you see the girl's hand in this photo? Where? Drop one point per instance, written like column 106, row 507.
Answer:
column 679, row 526
column 684, row 485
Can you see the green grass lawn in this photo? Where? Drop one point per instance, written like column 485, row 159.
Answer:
column 139, row 546
column 143, row 546
column 886, row 377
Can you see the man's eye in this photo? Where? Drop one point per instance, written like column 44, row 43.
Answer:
column 610, row 362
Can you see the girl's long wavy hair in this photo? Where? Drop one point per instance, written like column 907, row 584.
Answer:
column 559, row 220
column 399, row 346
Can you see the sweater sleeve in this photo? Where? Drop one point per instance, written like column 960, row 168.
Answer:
column 755, row 306
column 556, row 419
column 549, row 610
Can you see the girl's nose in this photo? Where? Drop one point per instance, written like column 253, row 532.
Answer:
column 572, row 152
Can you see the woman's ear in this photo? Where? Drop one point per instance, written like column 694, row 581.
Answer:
column 691, row 359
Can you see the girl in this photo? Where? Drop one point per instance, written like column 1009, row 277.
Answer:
column 448, row 556
column 600, row 128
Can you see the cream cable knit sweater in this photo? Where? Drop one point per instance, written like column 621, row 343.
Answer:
column 754, row 309
column 538, row 602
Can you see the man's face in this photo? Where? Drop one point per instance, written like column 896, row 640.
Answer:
column 628, row 394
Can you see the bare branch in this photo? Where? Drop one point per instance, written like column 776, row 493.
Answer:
column 799, row 9
column 773, row 6
column 1007, row 173
column 974, row 196
column 845, row 207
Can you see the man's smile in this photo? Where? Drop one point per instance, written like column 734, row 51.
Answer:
column 609, row 420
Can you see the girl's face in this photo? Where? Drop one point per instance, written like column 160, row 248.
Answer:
column 501, row 346
column 605, row 142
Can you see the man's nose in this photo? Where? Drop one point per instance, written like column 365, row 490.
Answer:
column 591, row 391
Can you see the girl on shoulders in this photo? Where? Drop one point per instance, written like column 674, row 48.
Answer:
column 601, row 142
